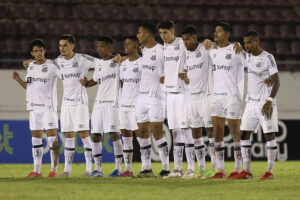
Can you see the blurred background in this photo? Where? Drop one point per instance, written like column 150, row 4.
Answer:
column 276, row 21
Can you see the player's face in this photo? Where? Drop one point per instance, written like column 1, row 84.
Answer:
column 167, row 35
column 142, row 35
column 189, row 41
column 103, row 49
column 65, row 47
column 220, row 34
column 251, row 44
column 130, row 46
column 38, row 53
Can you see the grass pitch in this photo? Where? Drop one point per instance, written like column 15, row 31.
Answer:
column 13, row 185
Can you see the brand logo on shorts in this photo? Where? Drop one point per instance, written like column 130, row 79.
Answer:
column 75, row 65
column 232, row 113
column 113, row 127
column 45, row 69
column 269, row 128
column 198, row 54
column 80, row 126
column 228, row 56
column 51, row 124
column 258, row 65
column 153, row 57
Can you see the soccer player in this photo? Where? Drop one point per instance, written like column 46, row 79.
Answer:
column 150, row 102
column 174, row 60
column 228, row 85
column 41, row 99
column 198, row 98
column 130, row 76
column 74, row 110
column 261, row 104
column 105, row 115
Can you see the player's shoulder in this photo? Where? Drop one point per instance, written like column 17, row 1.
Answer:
column 159, row 46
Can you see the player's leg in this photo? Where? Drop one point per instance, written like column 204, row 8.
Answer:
column 54, row 150
column 127, row 137
column 118, row 153
column 211, row 147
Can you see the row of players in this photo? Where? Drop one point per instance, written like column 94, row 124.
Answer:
column 200, row 85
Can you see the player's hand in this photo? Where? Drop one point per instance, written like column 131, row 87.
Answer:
column 183, row 76
column 83, row 81
column 268, row 82
column 162, row 80
column 16, row 76
column 207, row 44
column 26, row 62
column 267, row 110
column 215, row 46
column 237, row 47
column 117, row 58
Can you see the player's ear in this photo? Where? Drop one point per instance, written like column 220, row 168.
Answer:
column 31, row 53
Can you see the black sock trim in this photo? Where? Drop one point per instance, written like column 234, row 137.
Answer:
column 51, row 148
column 272, row 148
column 69, row 149
column 37, row 146
column 189, row 145
column 97, row 155
column 211, row 144
column 146, row 147
column 200, row 147
column 128, row 151
column 118, row 156
column 236, row 148
column 219, row 148
column 179, row 144
column 88, row 149
column 162, row 145
column 246, row 146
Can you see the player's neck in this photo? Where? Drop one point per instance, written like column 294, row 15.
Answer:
column 222, row 44
column 172, row 40
column 107, row 57
column 67, row 57
column 39, row 62
column 150, row 43
column 257, row 52
column 133, row 57
column 194, row 47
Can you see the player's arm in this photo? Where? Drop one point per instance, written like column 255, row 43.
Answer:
column 267, row 108
column 183, row 76
column 16, row 76
column 87, row 83
column 26, row 63
column 237, row 47
column 207, row 43
column 119, row 59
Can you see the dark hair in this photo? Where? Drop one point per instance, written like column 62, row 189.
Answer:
column 251, row 33
column 132, row 37
column 226, row 27
column 105, row 39
column 169, row 24
column 70, row 38
column 189, row 30
column 149, row 27
column 36, row 43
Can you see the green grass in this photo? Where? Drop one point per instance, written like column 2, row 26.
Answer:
column 13, row 185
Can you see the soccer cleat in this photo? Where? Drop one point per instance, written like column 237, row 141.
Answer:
column 126, row 174
column 96, row 173
column 175, row 174
column 65, row 175
column 218, row 175
column 267, row 176
column 233, row 175
column 199, row 174
column 52, row 174
column 34, row 175
column 146, row 174
column 189, row 174
column 115, row 173
column 164, row 173
column 244, row 175
column 87, row 174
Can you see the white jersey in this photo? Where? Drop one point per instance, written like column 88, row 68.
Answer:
column 130, row 75
column 106, row 74
column 174, row 60
column 259, row 68
column 152, row 70
column 41, row 92
column 197, row 66
column 228, row 74
column 71, row 71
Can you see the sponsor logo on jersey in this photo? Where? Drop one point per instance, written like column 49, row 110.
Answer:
column 66, row 76
column 228, row 56
column 110, row 76
column 259, row 74
column 37, row 104
column 152, row 68
column 45, row 69
column 68, row 99
column 32, row 79
column 221, row 67
column 153, row 57
column 172, row 58
column 75, row 65
column 131, row 80
column 198, row 66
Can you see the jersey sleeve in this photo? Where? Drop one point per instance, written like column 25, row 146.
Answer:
column 160, row 62
column 89, row 61
column 271, row 64
column 182, row 58
column 240, row 80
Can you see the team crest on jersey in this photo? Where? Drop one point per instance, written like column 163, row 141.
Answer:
column 153, row 57
column 198, row 55
column 113, row 65
column 75, row 65
column 228, row 56
column 258, row 65
column 100, row 68
column 176, row 48
column 135, row 70
column 215, row 55
column 124, row 69
column 45, row 69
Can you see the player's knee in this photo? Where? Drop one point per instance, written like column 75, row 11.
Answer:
column 114, row 136
column 270, row 136
column 245, row 135
column 96, row 137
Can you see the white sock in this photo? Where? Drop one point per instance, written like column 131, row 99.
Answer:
column 246, row 154
column 237, row 157
column 87, row 143
column 37, row 154
column 118, row 152
column 127, row 152
column 145, row 148
column 178, row 143
column 189, row 148
column 163, row 153
column 272, row 154
column 211, row 149
column 220, row 151
column 69, row 154
column 97, row 155
column 51, row 139
column 200, row 153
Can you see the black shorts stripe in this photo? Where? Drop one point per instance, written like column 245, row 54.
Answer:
column 128, row 151
column 200, row 147
column 118, row 156
column 97, row 155
column 37, row 146
column 69, row 149
column 272, row 148
column 189, row 145
column 219, row 148
column 179, row 144
column 246, row 146
column 146, row 147
column 88, row 149
column 162, row 145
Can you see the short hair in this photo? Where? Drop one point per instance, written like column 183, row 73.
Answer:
column 169, row 24
column 189, row 30
column 132, row 37
column 226, row 27
column 105, row 39
column 36, row 43
column 70, row 38
column 150, row 27
column 251, row 33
